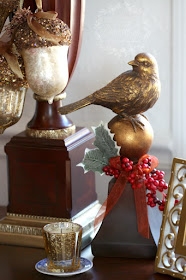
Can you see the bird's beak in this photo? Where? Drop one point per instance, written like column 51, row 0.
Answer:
column 133, row 63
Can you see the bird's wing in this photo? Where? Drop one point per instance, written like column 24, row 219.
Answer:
column 122, row 89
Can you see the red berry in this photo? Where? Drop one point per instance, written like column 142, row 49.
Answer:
column 146, row 160
column 150, row 180
column 149, row 163
column 131, row 162
column 127, row 164
column 111, row 170
column 160, row 176
column 155, row 200
column 162, row 183
column 145, row 166
column 123, row 165
column 157, row 172
column 156, row 183
column 125, row 160
column 134, row 186
column 148, row 195
column 161, row 207
column 116, row 176
column 152, row 204
column 105, row 169
column 132, row 181
column 148, row 203
column 150, row 199
column 165, row 186
column 132, row 175
column 129, row 168
column 153, row 188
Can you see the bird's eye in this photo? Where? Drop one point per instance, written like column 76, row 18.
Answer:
column 146, row 63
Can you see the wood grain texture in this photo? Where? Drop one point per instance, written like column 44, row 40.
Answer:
column 43, row 177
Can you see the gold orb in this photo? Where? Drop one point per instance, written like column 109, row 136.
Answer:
column 133, row 144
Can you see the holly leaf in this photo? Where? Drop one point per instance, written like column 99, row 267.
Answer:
column 93, row 160
column 104, row 142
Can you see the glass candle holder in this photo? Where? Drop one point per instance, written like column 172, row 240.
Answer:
column 63, row 246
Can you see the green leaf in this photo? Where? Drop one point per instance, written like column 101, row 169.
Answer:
column 104, row 142
column 94, row 161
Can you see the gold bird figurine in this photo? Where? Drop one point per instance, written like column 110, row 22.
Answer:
column 133, row 92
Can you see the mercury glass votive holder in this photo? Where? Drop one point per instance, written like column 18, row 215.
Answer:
column 62, row 243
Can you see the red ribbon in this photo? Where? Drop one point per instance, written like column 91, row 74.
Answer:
column 139, row 194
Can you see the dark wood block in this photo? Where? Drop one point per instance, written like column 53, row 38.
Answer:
column 118, row 235
column 43, row 177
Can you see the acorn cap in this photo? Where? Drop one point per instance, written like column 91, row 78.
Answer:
column 35, row 30
column 8, row 77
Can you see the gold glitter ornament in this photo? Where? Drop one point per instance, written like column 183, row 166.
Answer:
column 7, row 6
column 12, row 94
column 8, row 77
column 11, row 105
column 43, row 41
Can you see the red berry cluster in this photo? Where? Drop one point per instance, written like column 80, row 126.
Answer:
column 110, row 171
column 146, row 164
column 154, row 181
column 137, row 178
column 126, row 164
column 153, row 200
column 139, row 175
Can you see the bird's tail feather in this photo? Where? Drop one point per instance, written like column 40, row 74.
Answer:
column 76, row 105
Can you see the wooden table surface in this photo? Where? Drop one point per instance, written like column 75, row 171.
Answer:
column 18, row 263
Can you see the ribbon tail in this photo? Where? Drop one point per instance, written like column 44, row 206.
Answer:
column 39, row 4
column 13, row 64
column 141, row 211
column 111, row 200
column 47, row 15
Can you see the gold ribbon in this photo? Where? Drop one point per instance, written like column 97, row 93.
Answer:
column 39, row 29
column 39, row 4
column 6, row 51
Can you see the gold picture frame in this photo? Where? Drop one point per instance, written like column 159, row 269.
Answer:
column 171, row 254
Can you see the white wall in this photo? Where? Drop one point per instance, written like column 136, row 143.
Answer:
column 114, row 32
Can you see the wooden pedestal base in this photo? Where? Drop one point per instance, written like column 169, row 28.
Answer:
column 118, row 235
column 44, row 179
column 44, row 182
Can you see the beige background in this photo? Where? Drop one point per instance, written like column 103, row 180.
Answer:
column 113, row 35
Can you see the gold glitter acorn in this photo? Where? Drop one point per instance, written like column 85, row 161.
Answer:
column 12, row 94
column 43, row 41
